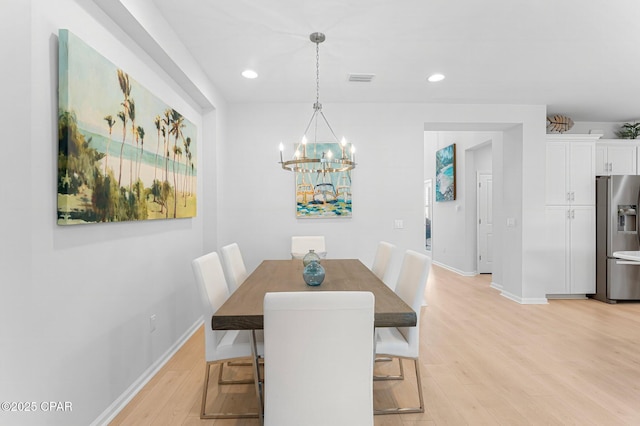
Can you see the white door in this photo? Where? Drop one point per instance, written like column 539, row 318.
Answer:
column 602, row 163
column 583, row 250
column 485, row 223
column 556, row 184
column 582, row 169
column 622, row 159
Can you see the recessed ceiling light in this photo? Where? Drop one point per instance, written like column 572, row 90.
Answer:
column 435, row 77
column 249, row 74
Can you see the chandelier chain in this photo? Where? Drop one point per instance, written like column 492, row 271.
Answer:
column 317, row 73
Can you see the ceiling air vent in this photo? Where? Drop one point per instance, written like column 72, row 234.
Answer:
column 361, row 78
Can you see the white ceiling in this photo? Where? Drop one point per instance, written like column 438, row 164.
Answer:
column 579, row 57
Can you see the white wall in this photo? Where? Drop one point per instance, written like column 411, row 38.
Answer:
column 257, row 199
column 257, row 205
column 74, row 314
column 454, row 222
column 607, row 129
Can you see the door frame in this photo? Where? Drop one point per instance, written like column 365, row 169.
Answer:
column 479, row 174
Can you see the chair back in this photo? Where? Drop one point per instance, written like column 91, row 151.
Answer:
column 382, row 259
column 300, row 245
column 234, row 266
column 219, row 344
column 319, row 350
column 412, row 280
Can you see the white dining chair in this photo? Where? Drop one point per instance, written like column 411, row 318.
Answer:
column 403, row 342
column 382, row 258
column 300, row 245
column 234, row 266
column 319, row 358
column 220, row 345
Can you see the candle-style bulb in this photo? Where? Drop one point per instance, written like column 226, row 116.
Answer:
column 281, row 147
column 343, row 142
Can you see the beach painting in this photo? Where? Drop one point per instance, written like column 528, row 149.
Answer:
column 324, row 195
column 446, row 173
column 123, row 154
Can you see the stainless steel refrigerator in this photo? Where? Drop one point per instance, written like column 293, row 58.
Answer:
column 617, row 225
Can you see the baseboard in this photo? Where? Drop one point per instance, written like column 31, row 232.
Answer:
column 118, row 405
column 457, row 271
column 524, row 301
column 495, row 285
column 567, row 296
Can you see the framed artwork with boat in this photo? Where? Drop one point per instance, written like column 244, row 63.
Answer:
column 321, row 194
column 446, row 173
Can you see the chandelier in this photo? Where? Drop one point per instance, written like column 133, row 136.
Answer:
column 317, row 156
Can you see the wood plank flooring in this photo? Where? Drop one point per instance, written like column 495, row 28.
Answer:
column 484, row 360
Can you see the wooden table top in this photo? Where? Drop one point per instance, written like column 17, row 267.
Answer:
column 244, row 308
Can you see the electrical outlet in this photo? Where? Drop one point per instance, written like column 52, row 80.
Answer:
column 152, row 323
column 398, row 224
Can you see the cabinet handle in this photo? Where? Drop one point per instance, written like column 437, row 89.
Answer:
column 610, row 167
column 568, row 196
column 573, row 196
column 573, row 214
column 568, row 214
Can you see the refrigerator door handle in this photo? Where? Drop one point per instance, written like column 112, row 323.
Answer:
column 627, row 262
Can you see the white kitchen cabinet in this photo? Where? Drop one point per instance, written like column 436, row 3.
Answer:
column 571, row 250
column 616, row 158
column 570, row 241
column 570, row 172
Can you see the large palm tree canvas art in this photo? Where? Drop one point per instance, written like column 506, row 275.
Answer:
column 123, row 154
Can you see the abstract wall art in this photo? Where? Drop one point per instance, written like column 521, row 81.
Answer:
column 446, row 173
column 123, row 154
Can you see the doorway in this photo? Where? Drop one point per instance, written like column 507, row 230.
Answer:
column 485, row 222
column 428, row 214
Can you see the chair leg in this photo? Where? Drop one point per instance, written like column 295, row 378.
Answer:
column 392, row 377
column 399, row 410
column 204, row 415
column 233, row 382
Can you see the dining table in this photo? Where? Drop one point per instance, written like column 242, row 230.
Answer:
column 243, row 310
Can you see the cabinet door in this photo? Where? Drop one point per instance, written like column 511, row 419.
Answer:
column 556, row 173
column 602, row 164
column 622, row 159
column 582, row 189
column 557, row 249
column 582, row 250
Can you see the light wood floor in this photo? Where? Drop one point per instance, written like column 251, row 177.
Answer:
column 484, row 360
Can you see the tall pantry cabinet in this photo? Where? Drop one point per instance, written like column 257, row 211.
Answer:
column 570, row 214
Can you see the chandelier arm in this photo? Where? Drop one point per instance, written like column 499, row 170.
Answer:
column 329, row 126
column 315, row 112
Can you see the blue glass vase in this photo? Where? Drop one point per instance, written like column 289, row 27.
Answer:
column 313, row 273
column 309, row 257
